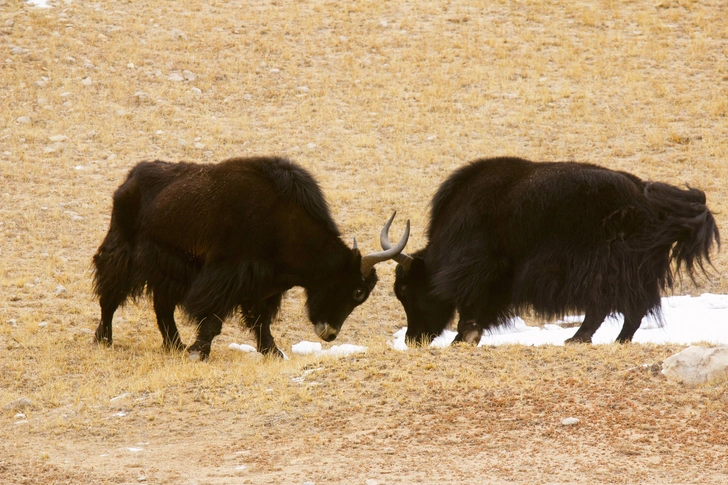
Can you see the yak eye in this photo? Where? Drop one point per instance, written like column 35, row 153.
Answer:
column 359, row 294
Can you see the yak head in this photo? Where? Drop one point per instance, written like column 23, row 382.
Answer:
column 330, row 302
column 427, row 314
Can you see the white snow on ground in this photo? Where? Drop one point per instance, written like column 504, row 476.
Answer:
column 39, row 3
column 687, row 320
column 307, row 348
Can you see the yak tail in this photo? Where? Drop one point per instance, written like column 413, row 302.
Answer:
column 114, row 269
column 685, row 224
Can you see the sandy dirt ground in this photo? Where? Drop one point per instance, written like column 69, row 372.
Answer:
column 381, row 101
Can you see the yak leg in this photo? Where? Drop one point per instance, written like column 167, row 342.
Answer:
column 208, row 328
column 592, row 321
column 164, row 308
column 258, row 317
column 469, row 331
column 108, row 307
column 632, row 321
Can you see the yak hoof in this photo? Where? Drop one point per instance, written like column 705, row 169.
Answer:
column 274, row 353
column 102, row 342
column 197, row 356
column 472, row 337
column 576, row 340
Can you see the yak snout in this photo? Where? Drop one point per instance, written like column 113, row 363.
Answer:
column 326, row 332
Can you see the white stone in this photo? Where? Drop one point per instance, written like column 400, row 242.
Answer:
column 175, row 77
column 570, row 422
column 189, row 75
column 61, row 290
column 23, row 120
column 87, row 81
column 696, row 365
column 242, row 347
column 20, row 403
column 196, row 90
column 58, row 138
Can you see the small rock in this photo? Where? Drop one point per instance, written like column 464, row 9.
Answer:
column 311, row 146
column 189, row 75
column 570, row 422
column 13, row 322
column 196, row 90
column 20, row 403
column 18, row 50
column 371, row 482
column 303, row 89
column 23, row 120
column 43, row 324
column 175, row 77
column 179, row 35
column 40, row 84
column 275, row 71
column 61, row 290
column 696, row 365
column 70, row 59
column 58, row 138
column 130, row 65
column 87, row 81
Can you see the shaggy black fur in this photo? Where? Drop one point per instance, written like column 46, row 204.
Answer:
column 507, row 234
column 219, row 238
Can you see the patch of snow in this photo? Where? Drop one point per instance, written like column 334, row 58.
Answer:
column 343, row 350
column 39, row 3
column 687, row 320
column 242, row 347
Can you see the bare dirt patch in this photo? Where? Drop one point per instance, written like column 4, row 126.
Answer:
column 380, row 101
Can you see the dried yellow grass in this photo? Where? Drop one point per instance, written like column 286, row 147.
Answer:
column 381, row 101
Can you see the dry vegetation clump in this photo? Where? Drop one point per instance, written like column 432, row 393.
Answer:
column 380, row 100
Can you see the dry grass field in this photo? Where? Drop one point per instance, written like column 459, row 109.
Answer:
column 380, row 100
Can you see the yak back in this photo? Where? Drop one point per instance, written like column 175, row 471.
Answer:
column 557, row 237
column 242, row 209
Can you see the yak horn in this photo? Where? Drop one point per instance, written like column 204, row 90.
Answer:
column 404, row 259
column 391, row 252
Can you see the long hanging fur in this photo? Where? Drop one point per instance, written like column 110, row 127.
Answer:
column 507, row 234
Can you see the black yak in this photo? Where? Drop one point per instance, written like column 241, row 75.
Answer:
column 231, row 236
column 507, row 234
